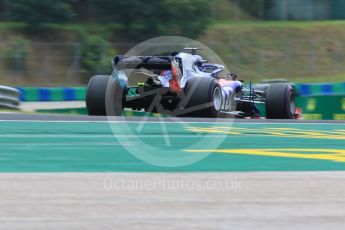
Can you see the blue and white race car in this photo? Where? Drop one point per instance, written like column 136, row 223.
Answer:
column 183, row 84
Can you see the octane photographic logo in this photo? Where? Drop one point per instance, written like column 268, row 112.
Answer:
column 159, row 140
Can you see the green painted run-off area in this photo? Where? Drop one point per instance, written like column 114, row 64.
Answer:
column 100, row 147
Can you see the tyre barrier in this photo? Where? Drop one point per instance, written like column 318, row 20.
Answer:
column 36, row 94
column 322, row 107
column 9, row 97
column 320, row 89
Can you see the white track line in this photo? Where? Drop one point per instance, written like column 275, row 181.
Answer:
column 177, row 122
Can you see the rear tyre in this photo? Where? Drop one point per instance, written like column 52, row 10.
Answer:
column 104, row 96
column 280, row 101
column 202, row 97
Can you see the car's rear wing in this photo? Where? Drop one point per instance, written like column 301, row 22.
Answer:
column 148, row 62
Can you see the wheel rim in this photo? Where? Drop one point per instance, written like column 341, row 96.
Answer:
column 292, row 104
column 217, row 98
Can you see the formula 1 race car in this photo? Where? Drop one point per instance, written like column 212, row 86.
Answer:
column 183, row 84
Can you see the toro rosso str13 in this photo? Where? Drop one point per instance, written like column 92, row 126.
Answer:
column 184, row 84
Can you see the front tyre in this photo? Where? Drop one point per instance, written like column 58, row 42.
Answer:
column 280, row 101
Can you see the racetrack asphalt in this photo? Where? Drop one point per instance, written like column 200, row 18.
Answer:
column 79, row 172
column 51, row 117
column 261, row 200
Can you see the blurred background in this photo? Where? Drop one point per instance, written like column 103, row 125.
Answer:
column 65, row 42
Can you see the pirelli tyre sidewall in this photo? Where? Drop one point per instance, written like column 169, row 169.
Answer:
column 202, row 97
column 104, row 96
column 280, row 101
column 95, row 95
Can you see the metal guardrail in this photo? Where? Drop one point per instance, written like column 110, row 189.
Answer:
column 9, row 97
